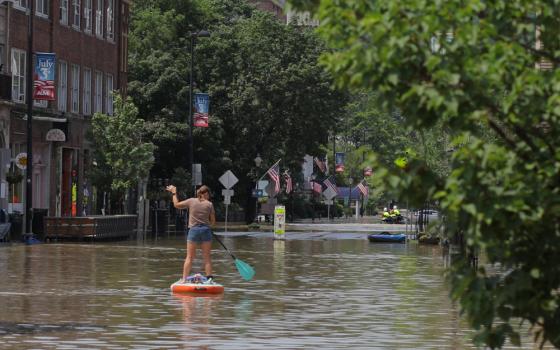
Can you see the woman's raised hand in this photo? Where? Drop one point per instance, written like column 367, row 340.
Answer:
column 171, row 189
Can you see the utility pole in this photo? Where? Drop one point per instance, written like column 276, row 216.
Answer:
column 194, row 35
column 29, row 88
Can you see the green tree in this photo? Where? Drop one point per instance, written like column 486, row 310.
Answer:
column 472, row 67
column 268, row 94
column 121, row 152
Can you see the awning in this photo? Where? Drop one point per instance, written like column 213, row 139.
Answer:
column 47, row 119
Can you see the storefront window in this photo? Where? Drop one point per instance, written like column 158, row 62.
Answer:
column 16, row 179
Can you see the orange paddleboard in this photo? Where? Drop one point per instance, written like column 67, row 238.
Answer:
column 200, row 288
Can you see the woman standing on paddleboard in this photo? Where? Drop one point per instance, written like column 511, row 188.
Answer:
column 201, row 217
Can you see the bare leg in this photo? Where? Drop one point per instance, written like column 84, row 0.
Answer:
column 206, row 256
column 191, row 253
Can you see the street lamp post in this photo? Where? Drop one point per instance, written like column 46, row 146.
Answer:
column 193, row 35
column 258, row 162
column 29, row 88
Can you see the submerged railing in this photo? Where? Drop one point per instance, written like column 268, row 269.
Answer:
column 91, row 227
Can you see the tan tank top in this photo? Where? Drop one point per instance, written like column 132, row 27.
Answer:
column 199, row 211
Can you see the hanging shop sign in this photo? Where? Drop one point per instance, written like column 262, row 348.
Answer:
column 201, row 109
column 339, row 162
column 21, row 161
column 56, row 135
column 43, row 85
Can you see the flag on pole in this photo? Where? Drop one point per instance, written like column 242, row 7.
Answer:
column 362, row 186
column 321, row 164
column 288, row 180
column 317, row 187
column 274, row 173
column 330, row 182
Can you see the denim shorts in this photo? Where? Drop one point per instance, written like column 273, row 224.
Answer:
column 199, row 234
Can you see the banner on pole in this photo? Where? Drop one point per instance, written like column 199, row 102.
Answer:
column 339, row 162
column 201, row 109
column 43, row 84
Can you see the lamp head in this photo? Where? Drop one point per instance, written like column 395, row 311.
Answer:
column 199, row 34
column 258, row 160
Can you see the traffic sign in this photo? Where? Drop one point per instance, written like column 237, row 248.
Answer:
column 197, row 174
column 227, row 193
column 329, row 201
column 329, row 193
column 228, row 179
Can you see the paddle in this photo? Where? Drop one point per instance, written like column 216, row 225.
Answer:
column 245, row 270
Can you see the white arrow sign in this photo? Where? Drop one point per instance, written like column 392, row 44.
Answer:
column 228, row 180
column 329, row 193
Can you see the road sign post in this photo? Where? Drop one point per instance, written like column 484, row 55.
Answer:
column 228, row 180
column 329, row 194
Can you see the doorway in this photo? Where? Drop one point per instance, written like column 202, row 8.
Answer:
column 69, row 182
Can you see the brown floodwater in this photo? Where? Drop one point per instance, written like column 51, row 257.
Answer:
column 311, row 291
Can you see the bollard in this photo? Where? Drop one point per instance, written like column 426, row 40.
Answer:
column 279, row 222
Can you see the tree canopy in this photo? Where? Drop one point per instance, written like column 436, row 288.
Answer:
column 268, row 94
column 486, row 73
column 122, row 154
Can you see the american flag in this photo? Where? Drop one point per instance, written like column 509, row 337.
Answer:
column 289, row 185
column 317, row 187
column 330, row 182
column 321, row 164
column 274, row 173
column 362, row 186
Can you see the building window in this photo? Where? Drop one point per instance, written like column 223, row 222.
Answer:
column 110, row 20
column 109, row 94
column 18, row 75
column 20, row 4
column 98, row 104
column 42, row 8
column 99, row 19
column 87, row 15
column 15, row 191
column 87, row 91
column 64, row 12
column 62, row 86
column 75, row 103
column 77, row 14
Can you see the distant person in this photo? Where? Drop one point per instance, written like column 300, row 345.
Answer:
column 386, row 213
column 201, row 217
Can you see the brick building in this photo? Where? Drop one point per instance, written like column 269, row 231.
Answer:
column 89, row 38
column 276, row 7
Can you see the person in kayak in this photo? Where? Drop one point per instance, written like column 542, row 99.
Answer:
column 201, row 218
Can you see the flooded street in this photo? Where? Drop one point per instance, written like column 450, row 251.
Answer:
column 309, row 292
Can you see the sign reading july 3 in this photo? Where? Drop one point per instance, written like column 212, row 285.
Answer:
column 201, row 108
column 44, row 77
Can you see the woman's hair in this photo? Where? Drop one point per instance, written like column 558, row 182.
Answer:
column 202, row 190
